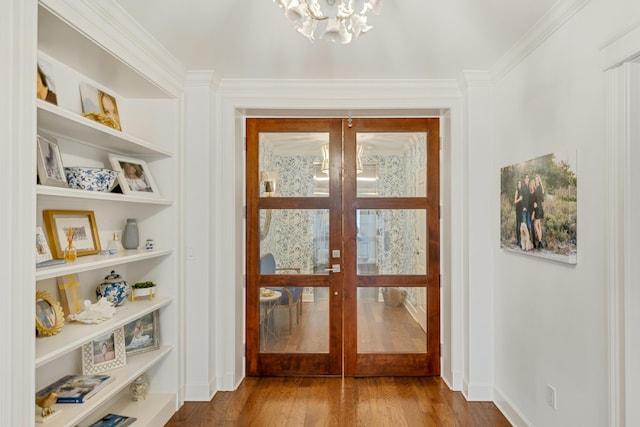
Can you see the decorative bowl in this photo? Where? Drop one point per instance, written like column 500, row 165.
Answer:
column 91, row 179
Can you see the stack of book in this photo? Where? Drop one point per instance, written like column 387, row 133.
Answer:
column 76, row 388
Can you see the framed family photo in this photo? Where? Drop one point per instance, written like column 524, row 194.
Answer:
column 99, row 106
column 135, row 177
column 50, row 168
column 142, row 334
column 539, row 207
column 43, row 253
column 104, row 353
column 49, row 314
column 81, row 225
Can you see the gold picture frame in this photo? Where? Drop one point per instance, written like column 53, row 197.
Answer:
column 86, row 240
column 49, row 314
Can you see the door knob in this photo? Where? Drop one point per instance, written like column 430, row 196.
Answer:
column 336, row 293
column 335, row 268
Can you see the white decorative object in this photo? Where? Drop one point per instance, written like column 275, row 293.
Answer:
column 95, row 313
column 343, row 20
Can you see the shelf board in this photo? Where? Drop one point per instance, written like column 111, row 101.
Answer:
column 61, row 123
column 92, row 262
column 154, row 411
column 45, row 190
column 73, row 413
column 75, row 334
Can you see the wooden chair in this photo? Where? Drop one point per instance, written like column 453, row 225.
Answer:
column 291, row 298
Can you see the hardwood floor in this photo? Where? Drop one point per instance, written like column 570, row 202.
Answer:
column 370, row 402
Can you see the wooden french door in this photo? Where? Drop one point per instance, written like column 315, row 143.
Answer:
column 342, row 247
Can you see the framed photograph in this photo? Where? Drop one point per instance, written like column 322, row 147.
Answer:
column 43, row 253
column 50, row 169
column 142, row 334
column 49, row 314
column 99, row 106
column 539, row 207
column 104, row 353
column 135, row 177
column 81, row 225
column 46, row 89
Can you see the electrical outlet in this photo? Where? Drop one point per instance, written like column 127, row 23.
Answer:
column 551, row 397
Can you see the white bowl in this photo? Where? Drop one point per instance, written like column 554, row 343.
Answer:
column 91, row 179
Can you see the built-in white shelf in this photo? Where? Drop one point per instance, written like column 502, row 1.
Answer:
column 92, row 262
column 152, row 412
column 75, row 334
column 57, row 121
column 72, row 413
column 48, row 191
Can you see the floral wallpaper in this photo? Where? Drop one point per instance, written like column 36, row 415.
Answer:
column 299, row 238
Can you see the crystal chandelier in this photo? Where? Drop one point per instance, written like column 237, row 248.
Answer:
column 339, row 18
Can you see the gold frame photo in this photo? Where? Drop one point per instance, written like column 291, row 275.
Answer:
column 135, row 179
column 104, row 353
column 50, row 168
column 58, row 222
column 49, row 314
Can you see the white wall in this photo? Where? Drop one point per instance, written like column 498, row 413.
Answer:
column 551, row 318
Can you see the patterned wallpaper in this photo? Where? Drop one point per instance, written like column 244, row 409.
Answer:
column 292, row 233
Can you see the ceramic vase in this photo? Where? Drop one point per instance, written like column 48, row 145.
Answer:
column 130, row 238
column 139, row 387
column 114, row 288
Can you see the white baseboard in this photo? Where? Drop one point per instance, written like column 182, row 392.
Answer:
column 511, row 413
column 478, row 392
column 202, row 392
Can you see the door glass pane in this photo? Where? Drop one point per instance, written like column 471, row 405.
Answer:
column 291, row 164
column 392, row 241
column 391, row 164
column 392, row 320
column 297, row 238
column 299, row 327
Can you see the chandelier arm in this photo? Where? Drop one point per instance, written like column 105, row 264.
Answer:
column 313, row 15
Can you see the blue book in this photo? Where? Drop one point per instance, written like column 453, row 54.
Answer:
column 76, row 388
column 113, row 420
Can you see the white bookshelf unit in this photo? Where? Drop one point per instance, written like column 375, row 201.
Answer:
column 83, row 41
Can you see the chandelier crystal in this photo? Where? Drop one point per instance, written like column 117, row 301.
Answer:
column 339, row 19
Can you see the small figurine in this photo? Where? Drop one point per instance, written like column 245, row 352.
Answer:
column 95, row 313
column 46, row 403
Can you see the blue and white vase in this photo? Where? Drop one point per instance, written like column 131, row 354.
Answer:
column 114, row 288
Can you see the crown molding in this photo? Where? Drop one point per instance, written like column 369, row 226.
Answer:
column 554, row 19
column 198, row 78
column 624, row 47
column 111, row 27
column 343, row 89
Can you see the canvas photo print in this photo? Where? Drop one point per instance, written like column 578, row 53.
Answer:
column 46, row 87
column 538, row 207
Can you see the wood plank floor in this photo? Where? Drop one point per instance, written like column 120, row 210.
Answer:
column 370, row 402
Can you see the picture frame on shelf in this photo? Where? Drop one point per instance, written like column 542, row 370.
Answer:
column 142, row 334
column 50, row 168
column 104, row 353
column 135, row 177
column 99, row 106
column 59, row 223
column 46, row 89
column 43, row 253
column 49, row 314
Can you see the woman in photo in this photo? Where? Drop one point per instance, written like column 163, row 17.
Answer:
column 134, row 177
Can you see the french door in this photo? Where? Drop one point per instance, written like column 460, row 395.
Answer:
column 342, row 247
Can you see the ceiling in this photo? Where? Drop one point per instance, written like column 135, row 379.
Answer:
column 411, row 39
